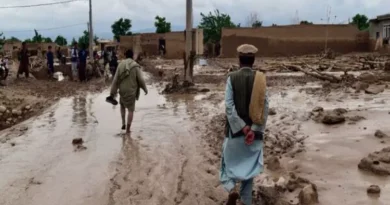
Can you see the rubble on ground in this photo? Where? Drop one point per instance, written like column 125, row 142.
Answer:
column 332, row 117
column 373, row 189
column 377, row 162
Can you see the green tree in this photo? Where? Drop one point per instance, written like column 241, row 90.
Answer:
column 37, row 37
column 306, row 23
column 60, row 40
column 162, row 26
column 84, row 39
column 13, row 39
column 28, row 40
column 361, row 21
column 257, row 24
column 212, row 25
column 121, row 28
column 47, row 40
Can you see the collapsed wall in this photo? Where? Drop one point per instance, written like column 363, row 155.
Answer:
column 295, row 40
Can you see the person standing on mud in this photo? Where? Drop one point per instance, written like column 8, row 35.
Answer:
column 246, row 112
column 50, row 61
column 24, row 61
column 82, row 63
column 129, row 80
column 74, row 53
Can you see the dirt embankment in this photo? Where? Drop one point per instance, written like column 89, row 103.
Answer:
column 23, row 98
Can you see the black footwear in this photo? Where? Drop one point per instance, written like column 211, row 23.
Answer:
column 232, row 198
column 123, row 127
column 111, row 100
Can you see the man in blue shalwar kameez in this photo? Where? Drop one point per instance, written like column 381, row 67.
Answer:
column 242, row 157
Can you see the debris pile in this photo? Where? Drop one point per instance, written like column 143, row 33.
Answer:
column 10, row 116
column 270, row 191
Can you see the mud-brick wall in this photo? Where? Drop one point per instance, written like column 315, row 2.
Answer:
column 295, row 39
column 148, row 42
column 174, row 42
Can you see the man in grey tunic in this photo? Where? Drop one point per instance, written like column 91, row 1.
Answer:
column 129, row 80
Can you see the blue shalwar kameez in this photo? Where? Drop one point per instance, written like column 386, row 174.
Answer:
column 241, row 162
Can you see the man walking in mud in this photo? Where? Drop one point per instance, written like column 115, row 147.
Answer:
column 24, row 61
column 246, row 112
column 128, row 79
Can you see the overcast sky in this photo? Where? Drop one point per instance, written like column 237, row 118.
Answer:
column 15, row 22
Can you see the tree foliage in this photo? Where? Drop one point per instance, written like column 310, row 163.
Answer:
column 306, row 23
column 121, row 28
column 252, row 20
column 361, row 21
column 212, row 25
column 162, row 26
column 47, row 40
column 257, row 24
column 12, row 39
column 60, row 40
column 84, row 39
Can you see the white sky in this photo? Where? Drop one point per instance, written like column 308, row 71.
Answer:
column 142, row 13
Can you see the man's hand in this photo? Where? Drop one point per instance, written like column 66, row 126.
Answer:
column 246, row 129
column 249, row 137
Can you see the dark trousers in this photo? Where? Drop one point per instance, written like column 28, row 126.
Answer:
column 50, row 69
column 82, row 71
column 23, row 68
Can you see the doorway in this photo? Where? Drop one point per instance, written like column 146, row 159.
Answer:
column 162, row 46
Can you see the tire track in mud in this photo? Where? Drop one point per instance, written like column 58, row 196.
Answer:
column 179, row 191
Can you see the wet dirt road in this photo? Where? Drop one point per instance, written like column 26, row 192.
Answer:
column 162, row 162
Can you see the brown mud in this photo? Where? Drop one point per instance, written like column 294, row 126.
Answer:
column 173, row 153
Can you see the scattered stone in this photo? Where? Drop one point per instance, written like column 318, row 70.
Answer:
column 13, row 144
column 374, row 189
column 204, row 90
column 367, row 77
column 358, row 86
column 2, row 109
column 380, row 134
column 331, row 119
column 357, row 118
column 16, row 112
column 308, row 195
column 273, row 163
column 318, row 109
column 340, row 111
column 80, row 147
column 272, row 111
column 377, row 162
column 375, row 89
column 77, row 141
column 28, row 107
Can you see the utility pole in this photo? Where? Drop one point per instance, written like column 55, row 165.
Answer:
column 90, row 32
column 189, row 70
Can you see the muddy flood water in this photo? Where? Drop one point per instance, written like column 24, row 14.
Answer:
column 158, row 164
column 166, row 161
